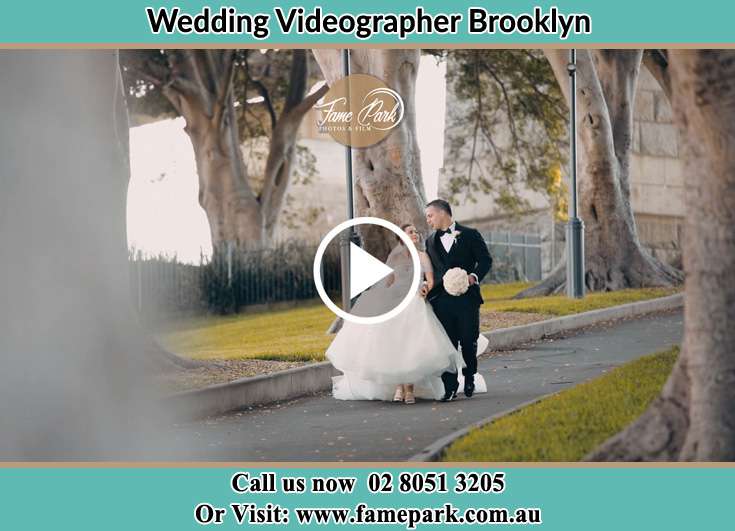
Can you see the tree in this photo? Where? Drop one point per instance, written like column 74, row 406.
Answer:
column 388, row 182
column 614, row 257
column 216, row 91
column 693, row 418
column 73, row 381
column 510, row 103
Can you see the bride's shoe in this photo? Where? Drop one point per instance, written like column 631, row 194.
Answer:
column 410, row 398
column 398, row 397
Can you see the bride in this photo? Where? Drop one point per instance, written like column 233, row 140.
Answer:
column 401, row 358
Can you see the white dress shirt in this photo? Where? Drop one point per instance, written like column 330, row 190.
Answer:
column 448, row 240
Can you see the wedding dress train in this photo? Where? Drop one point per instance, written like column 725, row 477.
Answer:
column 411, row 347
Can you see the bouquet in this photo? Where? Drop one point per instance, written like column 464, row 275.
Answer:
column 456, row 281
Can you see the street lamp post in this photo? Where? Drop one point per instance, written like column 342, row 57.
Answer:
column 349, row 235
column 575, row 227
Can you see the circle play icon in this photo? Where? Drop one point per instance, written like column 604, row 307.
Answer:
column 366, row 271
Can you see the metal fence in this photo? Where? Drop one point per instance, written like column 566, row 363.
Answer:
column 160, row 285
column 229, row 281
column 516, row 256
column 234, row 279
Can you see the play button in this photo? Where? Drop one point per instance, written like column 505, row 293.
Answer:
column 366, row 271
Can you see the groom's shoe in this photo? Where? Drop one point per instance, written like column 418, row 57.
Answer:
column 450, row 394
column 469, row 387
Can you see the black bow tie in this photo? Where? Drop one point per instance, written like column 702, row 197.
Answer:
column 443, row 232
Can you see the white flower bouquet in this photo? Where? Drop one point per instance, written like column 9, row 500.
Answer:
column 456, row 281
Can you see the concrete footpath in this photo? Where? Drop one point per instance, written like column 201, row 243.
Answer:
column 321, row 428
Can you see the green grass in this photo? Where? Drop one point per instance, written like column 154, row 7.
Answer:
column 499, row 292
column 568, row 425
column 561, row 305
column 296, row 334
column 299, row 333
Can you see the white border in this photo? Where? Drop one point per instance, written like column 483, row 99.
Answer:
column 318, row 270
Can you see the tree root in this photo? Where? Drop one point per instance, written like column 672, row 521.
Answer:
column 555, row 282
column 659, row 433
column 645, row 272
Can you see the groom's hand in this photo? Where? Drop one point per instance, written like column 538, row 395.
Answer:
column 472, row 279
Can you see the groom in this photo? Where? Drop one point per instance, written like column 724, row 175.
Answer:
column 454, row 245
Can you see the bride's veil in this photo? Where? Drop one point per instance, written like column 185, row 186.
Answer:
column 398, row 256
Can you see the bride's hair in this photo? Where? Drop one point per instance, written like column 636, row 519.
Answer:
column 403, row 228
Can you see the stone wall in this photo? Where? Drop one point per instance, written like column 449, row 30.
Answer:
column 657, row 184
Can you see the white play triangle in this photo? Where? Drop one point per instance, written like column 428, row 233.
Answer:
column 365, row 270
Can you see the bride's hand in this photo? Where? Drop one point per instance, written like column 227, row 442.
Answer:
column 424, row 291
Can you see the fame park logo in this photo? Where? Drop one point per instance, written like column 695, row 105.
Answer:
column 359, row 110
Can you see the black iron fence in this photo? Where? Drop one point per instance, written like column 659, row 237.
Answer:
column 231, row 279
column 234, row 279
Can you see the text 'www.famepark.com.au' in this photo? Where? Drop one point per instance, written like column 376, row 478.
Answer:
column 447, row 514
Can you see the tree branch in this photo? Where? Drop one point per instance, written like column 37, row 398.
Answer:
column 330, row 63
column 509, row 112
column 223, row 84
column 473, row 151
column 186, row 72
column 263, row 91
column 309, row 101
column 297, row 79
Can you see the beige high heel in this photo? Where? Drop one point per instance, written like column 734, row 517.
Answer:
column 398, row 397
column 409, row 398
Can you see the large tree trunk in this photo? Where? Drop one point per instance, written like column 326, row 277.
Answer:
column 284, row 134
column 694, row 418
column 388, row 182
column 198, row 84
column 73, row 359
column 200, row 89
column 234, row 213
column 614, row 257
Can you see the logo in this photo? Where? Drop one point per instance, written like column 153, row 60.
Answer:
column 359, row 110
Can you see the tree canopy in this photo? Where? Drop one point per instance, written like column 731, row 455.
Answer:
column 508, row 130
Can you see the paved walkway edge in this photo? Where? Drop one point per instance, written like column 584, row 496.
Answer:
column 252, row 391
column 435, row 450
column 317, row 377
column 517, row 335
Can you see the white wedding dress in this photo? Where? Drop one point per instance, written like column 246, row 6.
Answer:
column 411, row 347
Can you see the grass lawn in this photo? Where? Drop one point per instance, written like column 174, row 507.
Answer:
column 568, row 425
column 298, row 334
column 560, row 304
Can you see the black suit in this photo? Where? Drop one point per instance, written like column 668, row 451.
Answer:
column 460, row 315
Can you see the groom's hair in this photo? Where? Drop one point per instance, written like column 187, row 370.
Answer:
column 440, row 204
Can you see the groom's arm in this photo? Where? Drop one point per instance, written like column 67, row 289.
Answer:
column 482, row 257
